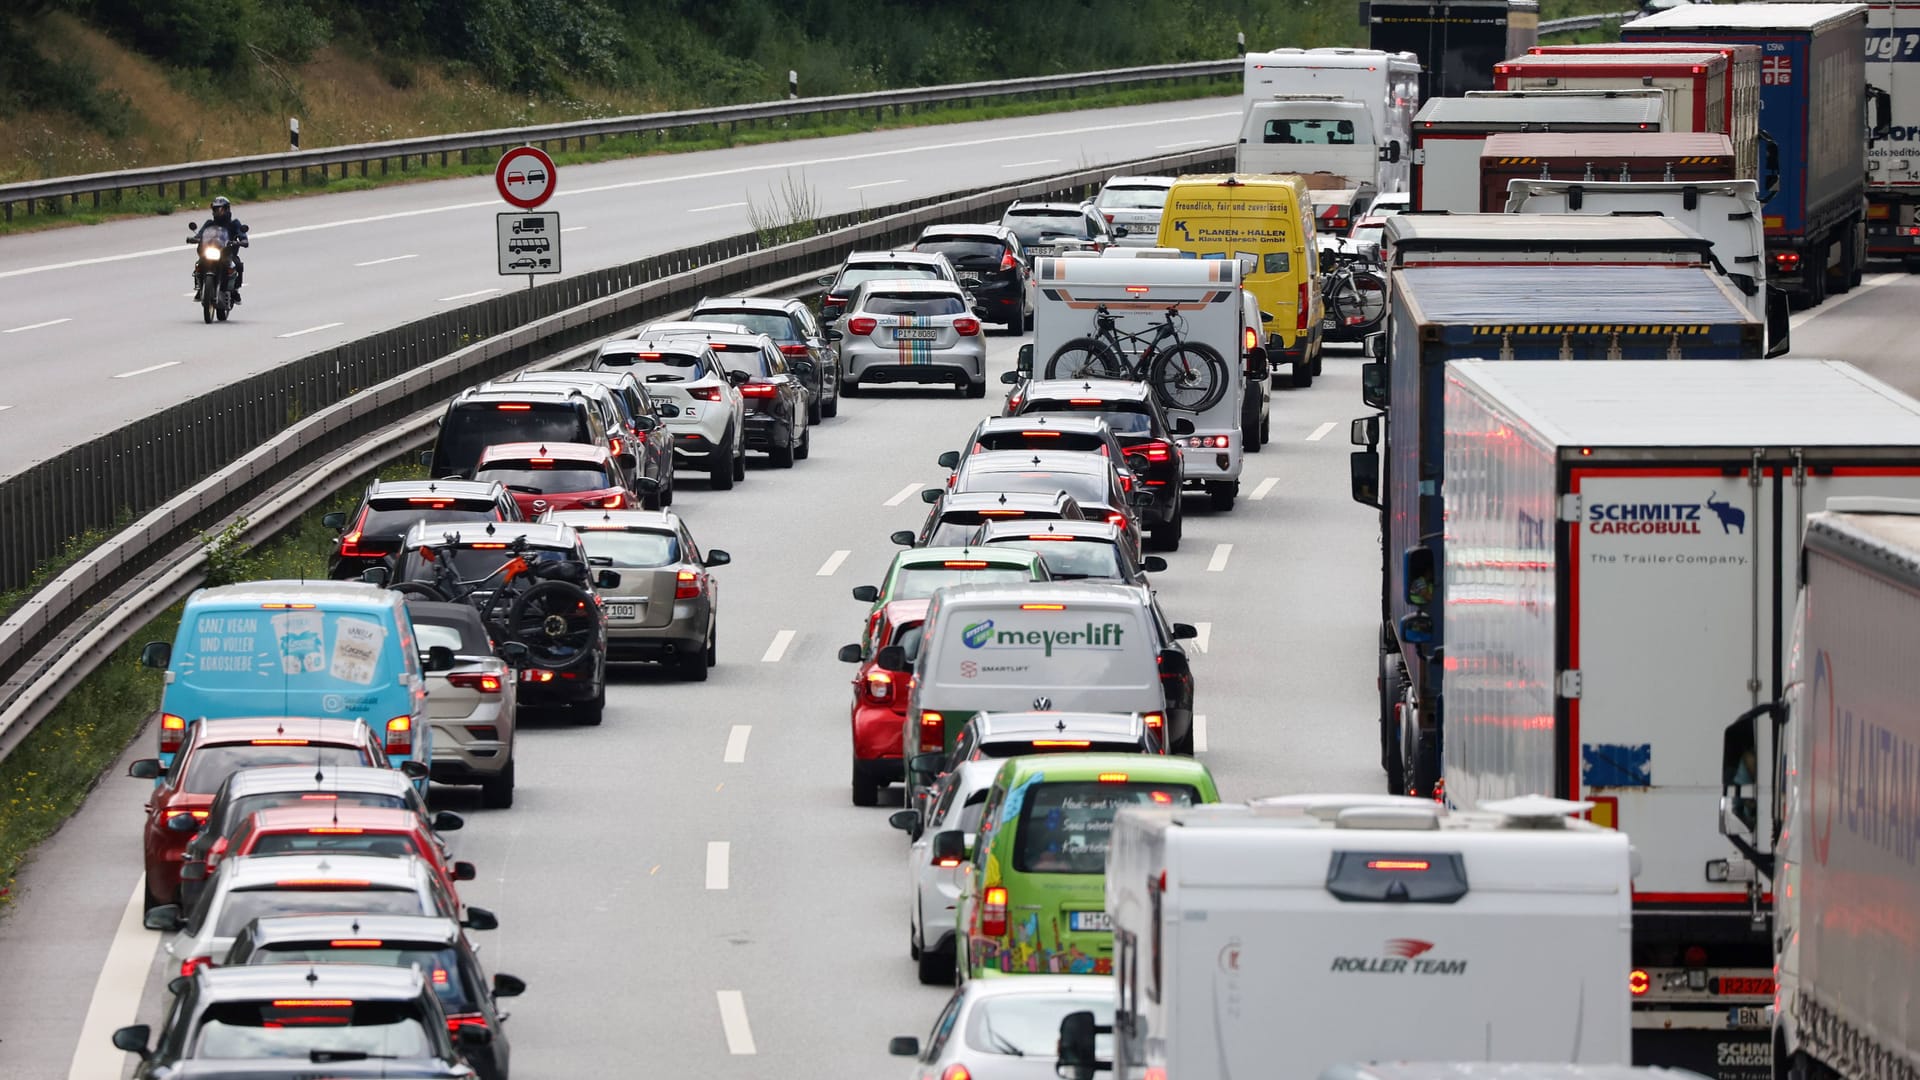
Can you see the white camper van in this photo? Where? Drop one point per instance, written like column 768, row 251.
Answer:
column 1374, row 93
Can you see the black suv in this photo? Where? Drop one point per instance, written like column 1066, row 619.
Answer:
column 992, row 264
column 497, row 412
column 374, row 529
column 643, row 418
column 791, row 325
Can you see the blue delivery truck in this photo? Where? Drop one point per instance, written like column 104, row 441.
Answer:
column 1813, row 113
column 1531, row 311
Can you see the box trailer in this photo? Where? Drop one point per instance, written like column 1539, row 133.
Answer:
column 1283, row 937
column 1742, row 86
column 1457, row 41
column 1551, row 155
column 1449, row 132
column 1619, row 566
column 1387, row 84
column 1429, row 239
column 1893, row 159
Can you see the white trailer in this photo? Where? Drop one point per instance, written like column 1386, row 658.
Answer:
column 1281, row 938
column 1138, row 293
column 1619, row 566
column 1386, row 84
column 1893, row 162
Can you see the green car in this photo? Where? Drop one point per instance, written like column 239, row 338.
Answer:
column 916, row 572
column 1033, row 890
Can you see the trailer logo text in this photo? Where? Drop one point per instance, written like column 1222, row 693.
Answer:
column 1402, row 956
column 1666, row 519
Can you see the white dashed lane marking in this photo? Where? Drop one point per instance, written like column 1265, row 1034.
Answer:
column 1219, row 560
column 832, row 565
column 1260, row 491
column 733, row 1021
column 779, row 647
column 1321, row 431
column 736, row 751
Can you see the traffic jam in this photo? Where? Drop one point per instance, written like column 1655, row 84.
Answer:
column 1602, row 594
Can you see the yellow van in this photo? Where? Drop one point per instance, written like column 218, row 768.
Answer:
column 1266, row 222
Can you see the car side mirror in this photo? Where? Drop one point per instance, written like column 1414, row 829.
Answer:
column 666, row 410
column 133, row 1039
column 901, row 1046
column 415, row 770
column 907, row 821
column 1180, row 425
column 1140, row 498
column 376, row 575
column 1416, row 628
column 1023, row 362
column 834, row 335
column 513, row 652
column 866, row 594
column 1779, row 322
column 1153, row 564
column 156, row 654
column 738, row 378
column 183, row 823
column 1373, row 384
column 337, row 520
column 949, row 847
column 146, row 769
column 1185, row 631
column 625, row 460
column 892, row 658
column 931, row 496
column 426, row 458
column 1364, row 431
column 904, row 537
column 447, row 821
column 850, row 654
column 465, row 871
column 646, row 485
column 981, row 312
column 164, row 918
column 1363, row 469
column 607, row 579
column 824, row 281
column 948, row 460
column 716, row 557
column 1010, row 378
column 1390, row 153
column 646, row 424
column 441, row 658
column 1419, row 579
column 927, row 764
column 802, row 368
column 1075, row 1051
column 479, row 918
column 505, row 985
column 1747, row 776
column 1120, row 232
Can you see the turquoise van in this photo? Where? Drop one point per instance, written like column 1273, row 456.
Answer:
column 333, row 649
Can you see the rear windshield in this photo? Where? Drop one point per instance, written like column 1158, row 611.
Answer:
column 1031, row 225
column 360, row 843
column 1028, row 1025
column 209, row 766
column 461, row 636
column 1078, row 558
column 1124, row 417
column 539, row 479
column 1065, row 826
column 776, row 326
column 908, row 638
column 1076, row 647
column 1024, row 747
column 912, row 304
column 957, row 527
column 246, row 806
column 967, row 252
column 655, row 367
column 1084, row 489
column 1041, row 440
column 472, row 564
column 1127, row 197
column 918, row 582
column 297, row 1028
column 441, row 966
column 854, row 275
column 392, row 518
column 1312, row 132
column 471, row 428
column 748, row 358
column 245, row 905
column 611, row 547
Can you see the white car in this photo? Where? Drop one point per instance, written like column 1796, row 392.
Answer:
column 1008, row 1029
column 955, row 802
column 863, row 266
column 907, row 331
column 710, row 432
column 1134, row 203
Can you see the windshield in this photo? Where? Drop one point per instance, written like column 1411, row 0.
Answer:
column 470, row 429
column 1124, row 417
column 654, row 367
column 854, row 275
column 912, row 304
column 918, row 582
column 971, row 252
column 1314, row 132
column 209, row 766
column 540, row 479
column 395, row 845
column 1065, row 826
column 1041, row 440
column 393, row 519
column 631, row 548
column 1028, row 1025
column 245, row 905
column 291, row 1028
column 439, row 964
column 777, row 326
column 1079, row 558
column 1031, row 225
column 1133, row 198
column 1084, row 489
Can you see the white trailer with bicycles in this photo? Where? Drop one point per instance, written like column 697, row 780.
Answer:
column 1203, row 296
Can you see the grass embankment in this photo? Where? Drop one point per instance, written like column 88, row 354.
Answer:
column 51, row 772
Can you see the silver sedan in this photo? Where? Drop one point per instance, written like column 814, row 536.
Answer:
column 666, row 607
column 900, row 331
column 1009, row 1029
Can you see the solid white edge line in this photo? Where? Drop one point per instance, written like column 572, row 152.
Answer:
column 465, row 295
column 4, row 408
column 35, row 326
column 875, row 184
column 716, row 206
column 733, row 1021
column 1025, row 164
column 1204, row 635
column 116, row 993
column 779, row 647
column 1866, row 285
column 1219, row 560
column 736, row 752
column 388, row 259
column 903, row 494
column 832, row 565
column 1261, row 489
column 148, row 369
column 311, row 330
column 717, row 853
column 1200, row 733
column 1321, row 431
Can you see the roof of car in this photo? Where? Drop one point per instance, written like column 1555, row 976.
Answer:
column 1050, row 592
column 606, row 520
column 772, row 305
column 905, row 611
column 489, row 532
column 897, row 255
column 1025, row 725
column 284, row 729
column 685, row 343
column 1105, row 389
column 750, row 339
column 1079, row 462
column 1093, row 986
column 1009, row 500
column 1089, row 423
column 925, row 285
column 1006, row 532
column 1149, row 768
column 1047, row 207
column 1138, row 181
column 456, row 489
column 923, row 555
column 609, row 379
column 358, row 982
column 355, row 778
column 569, row 451
column 994, row 230
column 315, row 815
column 253, row 871
column 280, row 929
column 517, row 391
column 334, row 593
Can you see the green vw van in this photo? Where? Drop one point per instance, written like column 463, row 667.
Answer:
column 1033, row 891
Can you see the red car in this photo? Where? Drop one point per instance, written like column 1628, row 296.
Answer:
column 880, row 701
column 214, row 751
column 557, row 476
column 362, row 830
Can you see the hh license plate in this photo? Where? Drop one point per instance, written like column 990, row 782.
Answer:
column 623, row 611
column 1749, row 1018
column 915, row 333
column 1090, row 920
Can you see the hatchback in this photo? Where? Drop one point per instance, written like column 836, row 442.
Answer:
column 496, row 413
column 557, row 476
column 955, row 516
column 863, row 266
column 792, row 325
column 310, row 828
column 1051, row 228
column 1074, row 550
column 899, row 331
column 1008, row 1029
column 666, row 607
column 1100, row 489
column 774, row 396
column 708, row 431
column 1154, row 444
column 472, row 705
column 992, row 265
column 645, row 434
column 880, row 700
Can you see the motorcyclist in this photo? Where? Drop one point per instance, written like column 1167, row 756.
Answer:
column 221, row 212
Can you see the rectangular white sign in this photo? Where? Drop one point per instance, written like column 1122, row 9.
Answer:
column 529, row 242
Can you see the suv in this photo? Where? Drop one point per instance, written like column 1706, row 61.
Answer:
column 643, row 422
column 1134, row 203
column 992, row 263
column 790, row 323
column 374, row 529
column 558, row 476
column 472, row 705
column 870, row 265
column 503, row 412
column 710, row 429
column 1050, row 228
column 1153, row 443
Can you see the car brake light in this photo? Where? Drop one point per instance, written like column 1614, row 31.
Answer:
column 1788, row 261
column 460, row 1020
column 1115, row 517
column 334, row 830
column 287, row 607
column 1080, row 744
column 1156, row 720
column 956, row 1071
column 1251, row 340
column 1109, row 218
column 313, row 1003
column 400, row 735
column 1094, row 401
column 1003, row 513
column 537, row 675
column 1113, row 778
column 688, row 584
column 475, row 680
column 355, row 943
column 1126, row 479
column 219, row 848
column 993, row 912
column 541, row 462
column 1032, row 435
column 610, row 502
column 350, row 543
column 965, row 564
column 432, row 504
column 1043, row 607
column 966, row 327
column 1416, row 865
column 833, row 301
column 279, row 742
column 172, row 728
column 488, row 547
column 319, row 797
column 1158, row 451
column 1138, row 290
column 794, row 350
column 320, row 883
column 933, row 731
column 1006, row 261
column 513, row 408
column 704, row 393
column 1300, row 310
column 193, row 964
column 862, row 325
column 880, row 686
column 758, row 390
column 1637, row 982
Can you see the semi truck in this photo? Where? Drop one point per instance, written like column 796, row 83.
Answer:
column 1893, row 162
column 1520, row 310
column 1457, row 41
column 1742, row 85
column 1813, row 109
column 1844, row 736
column 1448, row 134
column 1386, row 85
column 1279, row 938
column 1654, row 156
column 1619, row 566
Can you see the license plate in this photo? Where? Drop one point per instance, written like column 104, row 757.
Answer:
column 913, row 333
column 1749, row 1018
column 623, row 611
column 969, row 279
column 1326, row 324
column 1090, row 920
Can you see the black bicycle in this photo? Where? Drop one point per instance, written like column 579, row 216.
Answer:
column 1355, row 294
column 1185, row 375
column 543, row 605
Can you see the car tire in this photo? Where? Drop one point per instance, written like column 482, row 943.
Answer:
column 740, row 465
column 496, row 792
column 805, row 449
column 1266, row 429
column 1166, row 535
column 692, row 667
column 865, row 791
column 1302, row 374
column 815, row 409
column 721, row 471
column 975, row 389
column 590, row 713
column 1318, row 355
column 1223, row 492
column 666, row 494
column 1250, row 424
column 937, row 967
column 782, row 456
column 1026, row 323
column 1183, row 746
column 850, row 388
column 831, row 407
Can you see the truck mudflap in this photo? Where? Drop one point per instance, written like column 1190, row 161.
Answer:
column 1714, row 1021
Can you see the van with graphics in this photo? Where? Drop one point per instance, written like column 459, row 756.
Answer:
column 1033, row 889
column 335, row 649
column 1073, row 646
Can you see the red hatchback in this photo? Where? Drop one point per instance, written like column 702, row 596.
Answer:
column 362, row 830
column 557, row 476
column 880, row 701
column 215, row 750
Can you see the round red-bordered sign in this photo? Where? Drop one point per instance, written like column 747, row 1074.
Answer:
column 524, row 177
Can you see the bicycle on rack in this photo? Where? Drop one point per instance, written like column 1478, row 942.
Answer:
column 1186, row 375
column 544, row 606
column 1354, row 293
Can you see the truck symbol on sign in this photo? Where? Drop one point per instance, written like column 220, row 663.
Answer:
column 530, row 224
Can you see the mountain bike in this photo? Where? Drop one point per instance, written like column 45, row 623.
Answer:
column 1355, row 295
column 1185, row 375
column 544, row 606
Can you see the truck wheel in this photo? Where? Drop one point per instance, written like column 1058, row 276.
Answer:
column 1223, row 492
column 1817, row 276
column 1857, row 265
column 1393, row 682
column 1423, row 763
column 1843, row 281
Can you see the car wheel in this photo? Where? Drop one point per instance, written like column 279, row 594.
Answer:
column 831, row 407
column 850, row 388
column 1250, row 424
column 1223, row 492
column 975, row 389
column 806, row 445
column 666, row 494
column 692, row 666
column 913, row 939
column 1266, row 429
column 782, row 456
column 591, row 713
column 1026, row 323
column 496, row 792
column 1183, row 746
column 1166, row 535
column 740, row 465
column 713, row 646
column 721, row 470
column 865, row 791
column 1317, row 356
column 816, row 410
column 937, row 967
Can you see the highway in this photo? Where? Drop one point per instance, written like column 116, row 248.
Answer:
column 97, row 326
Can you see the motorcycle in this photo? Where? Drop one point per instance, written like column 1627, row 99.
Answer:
column 213, row 268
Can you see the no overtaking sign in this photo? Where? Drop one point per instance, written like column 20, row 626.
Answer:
column 524, row 177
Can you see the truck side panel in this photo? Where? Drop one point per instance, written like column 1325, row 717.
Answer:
column 1893, row 163
column 1458, row 41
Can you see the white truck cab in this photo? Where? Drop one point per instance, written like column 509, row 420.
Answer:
column 1386, row 86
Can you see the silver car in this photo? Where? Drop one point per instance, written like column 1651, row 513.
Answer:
column 906, row 331
column 1009, row 1029
column 471, row 705
column 666, row 607
column 955, row 806
column 1134, row 203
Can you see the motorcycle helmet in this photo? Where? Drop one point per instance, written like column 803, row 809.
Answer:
column 222, row 210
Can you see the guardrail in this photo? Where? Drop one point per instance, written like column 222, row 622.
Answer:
column 71, row 624
column 1584, row 22
column 32, row 192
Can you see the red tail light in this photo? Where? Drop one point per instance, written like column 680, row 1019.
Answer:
column 193, row 964
column 1156, row 721
column 688, row 585
column 1300, row 310
column 1115, row 517
column 862, row 325
column 933, row 731
column 956, row 1071
column 611, row 502
column 1007, row 262
column 1157, row 450
column 616, row 444
column 794, row 350
column 758, row 390
column 350, row 543
column 704, row 393
column 833, row 301
column 993, row 912
column 1126, row 479
column 456, row 1021
column 474, row 680
column 879, row 685
column 400, row 735
column 1250, row 340
column 172, row 730
column 966, row 327
column 1786, row 261
column 1109, row 218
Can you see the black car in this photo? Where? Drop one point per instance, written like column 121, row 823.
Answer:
column 427, row 942
column 992, row 264
column 1151, row 441
column 506, row 412
column 773, row 396
column 337, row 1020
column 791, row 325
column 373, row 531
column 643, row 420
column 1048, row 228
